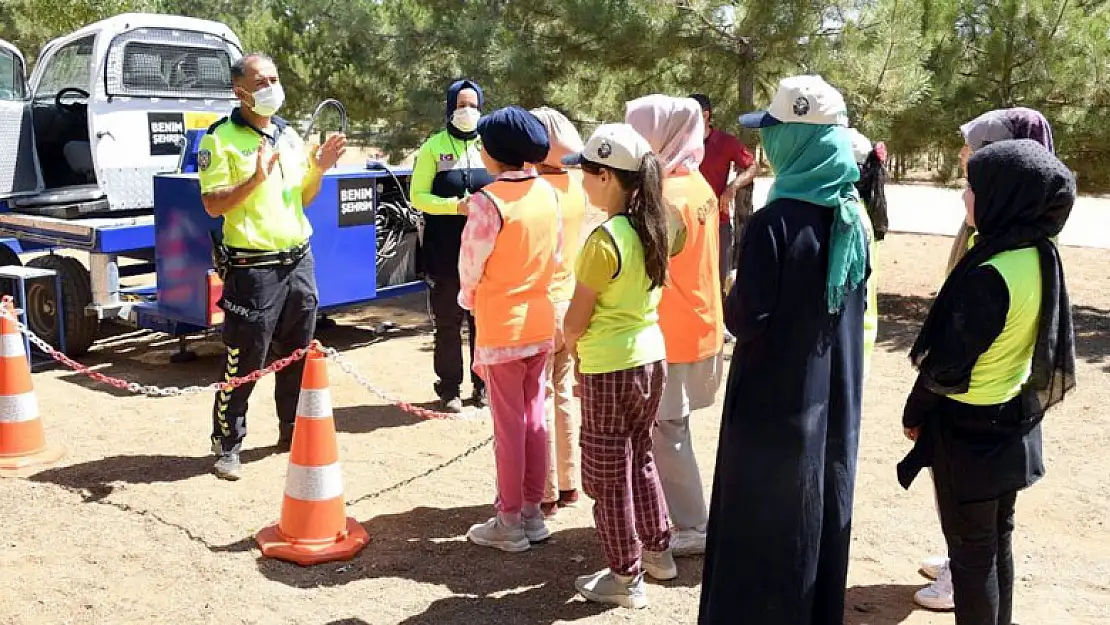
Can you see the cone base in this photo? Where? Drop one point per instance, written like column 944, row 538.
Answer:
column 274, row 545
column 28, row 464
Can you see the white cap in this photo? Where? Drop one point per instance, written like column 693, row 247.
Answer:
column 861, row 146
column 618, row 146
column 801, row 100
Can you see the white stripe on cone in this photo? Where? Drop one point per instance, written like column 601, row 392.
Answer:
column 314, row 483
column 314, row 404
column 17, row 408
column 11, row 345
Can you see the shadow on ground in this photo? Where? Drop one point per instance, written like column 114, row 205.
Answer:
column 881, row 604
column 901, row 316
column 97, row 476
column 428, row 545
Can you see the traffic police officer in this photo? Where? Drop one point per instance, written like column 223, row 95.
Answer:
column 256, row 173
column 448, row 168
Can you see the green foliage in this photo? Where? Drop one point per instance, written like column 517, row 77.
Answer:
column 911, row 70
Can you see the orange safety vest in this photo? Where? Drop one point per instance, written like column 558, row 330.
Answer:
column 690, row 313
column 512, row 303
column 572, row 209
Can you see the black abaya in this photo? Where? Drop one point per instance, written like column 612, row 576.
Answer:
column 781, row 512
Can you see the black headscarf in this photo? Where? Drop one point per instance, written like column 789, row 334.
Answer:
column 453, row 103
column 1023, row 197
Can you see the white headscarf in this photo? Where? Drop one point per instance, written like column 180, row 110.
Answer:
column 561, row 134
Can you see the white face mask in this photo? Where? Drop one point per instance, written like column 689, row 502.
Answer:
column 268, row 100
column 466, row 119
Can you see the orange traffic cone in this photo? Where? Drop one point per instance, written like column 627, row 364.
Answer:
column 23, row 446
column 314, row 525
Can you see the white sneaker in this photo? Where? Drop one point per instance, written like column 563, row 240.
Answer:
column 688, row 542
column 938, row 595
column 536, row 529
column 607, row 587
column 659, row 565
column 931, row 567
column 494, row 533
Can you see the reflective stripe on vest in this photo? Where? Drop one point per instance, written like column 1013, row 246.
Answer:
column 1004, row 368
column 624, row 330
column 512, row 302
column 572, row 209
column 690, row 313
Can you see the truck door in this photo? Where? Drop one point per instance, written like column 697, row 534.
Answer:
column 158, row 84
column 19, row 164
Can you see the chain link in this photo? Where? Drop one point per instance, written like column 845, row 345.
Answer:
column 134, row 387
column 436, row 469
column 172, row 391
column 349, row 368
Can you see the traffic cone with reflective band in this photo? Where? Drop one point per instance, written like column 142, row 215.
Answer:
column 23, row 446
column 314, row 525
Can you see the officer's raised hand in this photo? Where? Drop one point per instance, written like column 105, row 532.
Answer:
column 326, row 156
column 267, row 158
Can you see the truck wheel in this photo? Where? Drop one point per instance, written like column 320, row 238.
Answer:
column 8, row 257
column 42, row 307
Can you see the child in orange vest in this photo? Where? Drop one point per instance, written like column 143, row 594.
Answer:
column 510, row 248
column 613, row 324
column 562, row 425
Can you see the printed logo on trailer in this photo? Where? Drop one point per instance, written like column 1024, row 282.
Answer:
column 167, row 131
column 357, row 201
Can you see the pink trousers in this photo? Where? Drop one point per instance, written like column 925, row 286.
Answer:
column 516, row 399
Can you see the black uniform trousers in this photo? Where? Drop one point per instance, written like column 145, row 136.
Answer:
column 267, row 309
column 440, row 260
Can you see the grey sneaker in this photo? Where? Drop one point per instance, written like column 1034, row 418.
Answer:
column 494, row 533
column 660, row 565
column 452, row 405
column 228, row 467
column 535, row 529
column 688, row 542
column 606, row 587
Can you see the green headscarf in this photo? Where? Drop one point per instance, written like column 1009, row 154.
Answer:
column 815, row 164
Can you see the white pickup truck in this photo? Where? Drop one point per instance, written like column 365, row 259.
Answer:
column 107, row 108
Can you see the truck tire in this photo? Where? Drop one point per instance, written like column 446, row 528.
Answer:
column 42, row 309
column 8, row 257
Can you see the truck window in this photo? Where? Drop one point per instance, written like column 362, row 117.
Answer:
column 170, row 64
column 11, row 76
column 70, row 66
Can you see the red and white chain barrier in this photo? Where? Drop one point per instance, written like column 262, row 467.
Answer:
column 174, row 391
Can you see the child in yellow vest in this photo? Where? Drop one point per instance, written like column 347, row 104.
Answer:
column 613, row 325
column 510, row 248
column 562, row 426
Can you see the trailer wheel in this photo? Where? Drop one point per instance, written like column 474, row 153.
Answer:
column 42, row 307
column 8, row 257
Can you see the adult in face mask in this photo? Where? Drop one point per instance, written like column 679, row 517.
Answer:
column 448, row 169
column 257, row 175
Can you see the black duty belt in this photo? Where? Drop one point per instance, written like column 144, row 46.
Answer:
column 225, row 258
column 240, row 258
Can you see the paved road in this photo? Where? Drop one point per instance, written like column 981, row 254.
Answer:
column 936, row 210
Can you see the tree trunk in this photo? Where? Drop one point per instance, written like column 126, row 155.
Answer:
column 746, row 86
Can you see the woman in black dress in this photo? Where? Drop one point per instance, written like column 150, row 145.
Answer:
column 780, row 517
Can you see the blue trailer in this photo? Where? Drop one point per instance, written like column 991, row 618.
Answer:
column 175, row 246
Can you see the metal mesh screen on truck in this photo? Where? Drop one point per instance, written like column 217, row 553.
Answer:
column 165, row 63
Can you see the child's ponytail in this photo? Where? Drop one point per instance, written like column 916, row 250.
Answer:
column 647, row 214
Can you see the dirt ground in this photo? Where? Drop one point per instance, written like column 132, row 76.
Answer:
column 132, row 527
